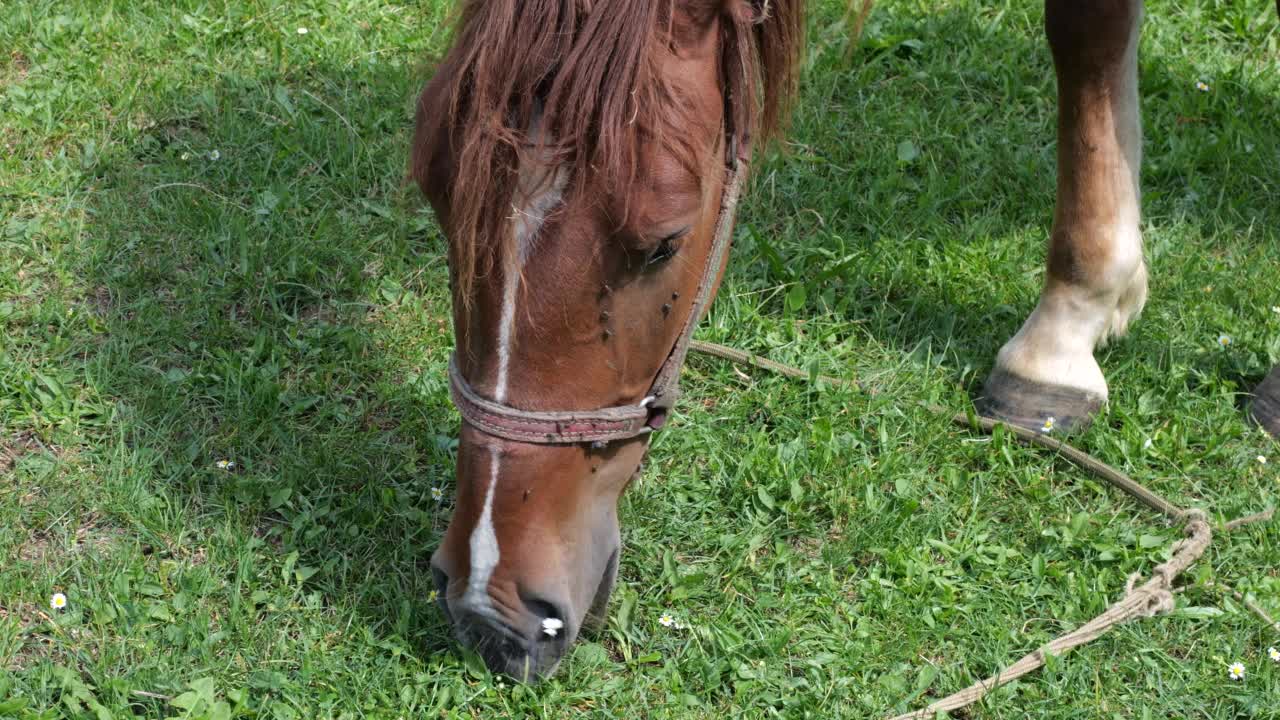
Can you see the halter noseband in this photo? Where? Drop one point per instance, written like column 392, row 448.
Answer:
column 621, row 422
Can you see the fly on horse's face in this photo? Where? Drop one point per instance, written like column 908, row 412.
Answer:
column 589, row 283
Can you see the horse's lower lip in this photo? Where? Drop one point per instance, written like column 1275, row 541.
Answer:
column 526, row 652
column 503, row 651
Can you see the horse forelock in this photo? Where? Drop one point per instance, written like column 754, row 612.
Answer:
column 576, row 85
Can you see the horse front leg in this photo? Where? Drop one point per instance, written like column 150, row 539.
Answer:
column 1096, row 280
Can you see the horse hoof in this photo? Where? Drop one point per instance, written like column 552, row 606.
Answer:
column 1266, row 403
column 1039, row 406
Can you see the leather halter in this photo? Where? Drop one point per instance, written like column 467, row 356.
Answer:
column 620, row 422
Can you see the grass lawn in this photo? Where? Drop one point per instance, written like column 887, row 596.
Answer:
column 208, row 253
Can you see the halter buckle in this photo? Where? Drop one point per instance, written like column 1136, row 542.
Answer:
column 659, row 407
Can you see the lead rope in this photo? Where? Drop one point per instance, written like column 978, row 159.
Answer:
column 1153, row 597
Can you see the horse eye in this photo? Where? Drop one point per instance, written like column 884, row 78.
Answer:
column 666, row 249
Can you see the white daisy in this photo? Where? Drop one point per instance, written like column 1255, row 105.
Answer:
column 58, row 602
column 1236, row 671
column 1202, row 86
column 1224, row 340
column 225, row 465
column 1262, row 459
column 1048, row 424
column 1274, row 654
column 437, row 494
column 303, row 31
column 666, row 620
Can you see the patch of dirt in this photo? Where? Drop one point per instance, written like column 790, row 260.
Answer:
column 99, row 301
column 175, row 127
column 14, row 447
column 380, row 418
column 44, row 547
column 806, row 547
column 266, row 530
column 16, row 70
column 318, row 313
column 25, row 614
column 31, row 647
column 36, row 645
column 810, row 548
column 167, row 131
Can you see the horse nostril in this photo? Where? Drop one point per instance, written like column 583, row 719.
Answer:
column 550, row 619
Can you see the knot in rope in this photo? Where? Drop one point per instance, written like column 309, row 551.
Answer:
column 1193, row 514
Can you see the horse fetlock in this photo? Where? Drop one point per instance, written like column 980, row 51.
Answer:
column 1129, row 303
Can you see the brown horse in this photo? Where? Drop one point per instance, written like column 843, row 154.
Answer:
column 583, row 158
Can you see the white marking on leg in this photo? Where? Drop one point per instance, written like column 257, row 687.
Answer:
column 1127, row 261
column 1056, row 343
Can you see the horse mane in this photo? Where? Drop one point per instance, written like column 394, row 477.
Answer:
column 588, row 71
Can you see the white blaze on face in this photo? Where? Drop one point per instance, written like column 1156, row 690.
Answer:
column 484, row 545
column 538, row 191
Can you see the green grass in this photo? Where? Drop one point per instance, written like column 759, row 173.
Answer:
column 834, row 556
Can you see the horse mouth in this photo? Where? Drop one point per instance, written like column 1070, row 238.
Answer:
column 542, row 660
column 504, row 649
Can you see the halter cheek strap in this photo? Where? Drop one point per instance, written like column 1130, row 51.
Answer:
column 621, row 422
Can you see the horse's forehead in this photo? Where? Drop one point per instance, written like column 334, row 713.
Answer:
column 670, row 188
column 666, row 184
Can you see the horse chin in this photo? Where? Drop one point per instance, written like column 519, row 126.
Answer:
column 599, row 610
column 532, row 668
